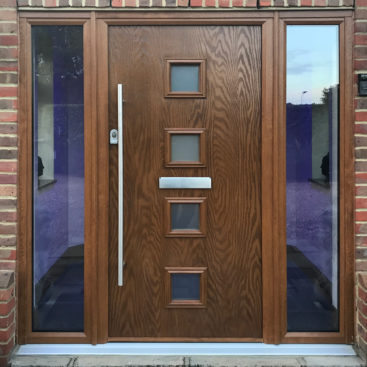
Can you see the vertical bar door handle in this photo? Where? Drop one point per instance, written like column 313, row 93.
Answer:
column 121, row 186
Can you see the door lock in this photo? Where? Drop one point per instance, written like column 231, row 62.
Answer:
column 114, row 137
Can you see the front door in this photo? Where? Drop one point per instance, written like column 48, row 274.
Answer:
column 192, row 244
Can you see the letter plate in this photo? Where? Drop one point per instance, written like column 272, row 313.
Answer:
column 185, row 183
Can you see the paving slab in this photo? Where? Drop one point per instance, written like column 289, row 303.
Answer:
column 185, row 361
column 277, row 361
column 331, row 361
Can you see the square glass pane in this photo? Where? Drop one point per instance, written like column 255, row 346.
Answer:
column 185, row 216
column 185, row 147
column 185, row 286
column 184, row 78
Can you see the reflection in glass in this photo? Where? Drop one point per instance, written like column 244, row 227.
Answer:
column 58, row 178
column 185, row 286
column 312, row 177
column 185, row 216
column 184, row 78
column 185, row 147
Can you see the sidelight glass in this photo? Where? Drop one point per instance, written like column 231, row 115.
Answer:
column 312, row 159
column 185, row 147
column 185, row 286
column 185, row 78
column 185, row 216
column 58, row 178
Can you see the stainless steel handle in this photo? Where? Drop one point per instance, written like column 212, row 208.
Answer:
column 121, row 186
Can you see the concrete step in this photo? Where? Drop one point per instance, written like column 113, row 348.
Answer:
column 185, row 361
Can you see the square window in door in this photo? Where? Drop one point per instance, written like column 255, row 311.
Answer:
column 185, row 147
column 185, row 287
column 185, row 217
column 185, row 79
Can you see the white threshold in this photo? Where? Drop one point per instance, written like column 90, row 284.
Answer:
column 188, row 349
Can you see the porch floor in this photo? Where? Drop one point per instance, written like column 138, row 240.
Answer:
column 186, row 361
column 186, row 355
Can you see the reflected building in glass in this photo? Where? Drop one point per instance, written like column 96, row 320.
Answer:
column 312, row 177
column 58, row 178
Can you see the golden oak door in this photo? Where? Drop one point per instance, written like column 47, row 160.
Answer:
column 190, row 107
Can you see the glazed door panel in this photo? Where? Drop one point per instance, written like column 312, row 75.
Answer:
column 192, row 108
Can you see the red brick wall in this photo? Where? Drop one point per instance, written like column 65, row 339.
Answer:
column 7, row 315
column 8, row 172
column 360, row 66
column 184, row 3
column 8, row 138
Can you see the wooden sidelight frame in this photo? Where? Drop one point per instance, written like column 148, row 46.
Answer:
column 346, row 175
column 24, row 282
column 273, row 23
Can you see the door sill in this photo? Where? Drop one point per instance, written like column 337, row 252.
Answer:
column 189, row 349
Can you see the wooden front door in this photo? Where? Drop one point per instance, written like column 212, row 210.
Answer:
column 192, row 108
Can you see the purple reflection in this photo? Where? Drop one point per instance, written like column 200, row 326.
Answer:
column 311, row 206
column 58, row 202
column 312, row 177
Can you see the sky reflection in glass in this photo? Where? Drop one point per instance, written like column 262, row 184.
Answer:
column 312, row 61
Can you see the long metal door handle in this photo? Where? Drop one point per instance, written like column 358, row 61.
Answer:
column 121, row 185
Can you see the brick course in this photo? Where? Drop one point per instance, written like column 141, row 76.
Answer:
column 184, row 3
column 360, row 65
column 7, row 313
column 8, row 173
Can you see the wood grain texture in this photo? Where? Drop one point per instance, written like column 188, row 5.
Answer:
column 231, row 113
column 91, row 182
column 24, row 283
column 269, row 185
column 103, row 180
column 348, row 175
column 271, row 171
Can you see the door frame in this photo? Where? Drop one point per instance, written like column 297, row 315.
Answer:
column 273, row 24
column 266, row 149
